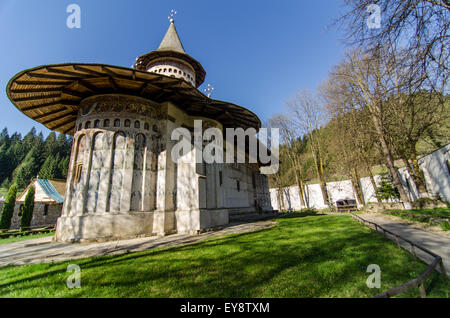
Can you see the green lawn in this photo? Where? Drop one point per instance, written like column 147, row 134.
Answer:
column 302, row 256
column 437, row 212
column 23, row 238
column 423, row 215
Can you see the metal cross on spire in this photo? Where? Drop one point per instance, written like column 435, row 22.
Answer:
column 208, row 90
column 172, row 15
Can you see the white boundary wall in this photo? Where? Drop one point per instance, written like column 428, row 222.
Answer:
column 435, row 167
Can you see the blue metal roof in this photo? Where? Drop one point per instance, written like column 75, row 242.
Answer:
column 50, row 190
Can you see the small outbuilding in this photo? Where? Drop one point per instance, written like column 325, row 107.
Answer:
column 48, row 202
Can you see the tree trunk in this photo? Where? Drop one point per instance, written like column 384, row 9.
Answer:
column 390, row 162
column 323, row 185
column 371, row 177
column 357, row 186
column 298, row 179
column 301, row 192
column 417, row 176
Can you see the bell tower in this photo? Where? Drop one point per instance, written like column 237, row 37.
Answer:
column 170, row 59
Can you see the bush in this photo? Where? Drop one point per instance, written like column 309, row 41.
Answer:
column 445, row 226
column 27, row 212
column 8, row 208
column 386, row 190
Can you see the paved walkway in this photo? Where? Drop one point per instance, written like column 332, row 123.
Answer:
column 44, row 250
column 436, row 243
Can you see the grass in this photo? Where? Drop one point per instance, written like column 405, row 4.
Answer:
column 424, row 215
column 437, row 212
column 305, row 255
column 23, row 238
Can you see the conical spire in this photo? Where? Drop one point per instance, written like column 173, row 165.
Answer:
column 171, row 41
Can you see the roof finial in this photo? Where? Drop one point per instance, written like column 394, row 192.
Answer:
column 208, row 90
column 172, row 14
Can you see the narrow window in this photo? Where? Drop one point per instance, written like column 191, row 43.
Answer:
column 127, row 123
column 220, row 178
column 80, row 126
column 117, row 123
column 238, row 184
column 97, row 123
column 146, row 126
column 21, row 210
column 137, row 124
column 45, row 210
column 87, row 125
column 78, row 170
column 106, row 123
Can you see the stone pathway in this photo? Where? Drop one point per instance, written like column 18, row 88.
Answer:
column 44, row 250
column 436, row 243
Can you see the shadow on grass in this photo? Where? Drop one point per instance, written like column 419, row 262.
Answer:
column 300, row 214
column 314, row 257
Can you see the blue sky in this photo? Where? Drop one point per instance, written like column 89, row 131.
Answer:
column 257, row 53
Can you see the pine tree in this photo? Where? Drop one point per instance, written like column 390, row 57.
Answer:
column 50, row 145
column 62, row 146
column 15, row 163
column 4, row 137
column 28, row 208
column 63, row 168
column 27, row 170
column 5, row 164
column 8, row 208
column 46, row 169
column 6, row 184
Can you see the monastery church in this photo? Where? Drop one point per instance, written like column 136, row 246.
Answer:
column 122, row 181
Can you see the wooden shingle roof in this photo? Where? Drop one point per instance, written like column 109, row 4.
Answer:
column 51, row 94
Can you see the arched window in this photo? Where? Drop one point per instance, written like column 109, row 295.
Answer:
column 137, row 124
column 146, row 126
column 79, row 158
column 87, row 125
column 106, row 123
column 116, row 180
column 117, row 123
column 138, row 167
column 97, row 124
column 97, row 164
column 127, row 123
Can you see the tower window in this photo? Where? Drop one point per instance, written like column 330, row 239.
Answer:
column 146, row 126
column 97, row 123
column 106, row 123
column 238, row 185
column 87, row 125
column 117, row 123
column 137, row 124
column 127, row 123
column 220, row 178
